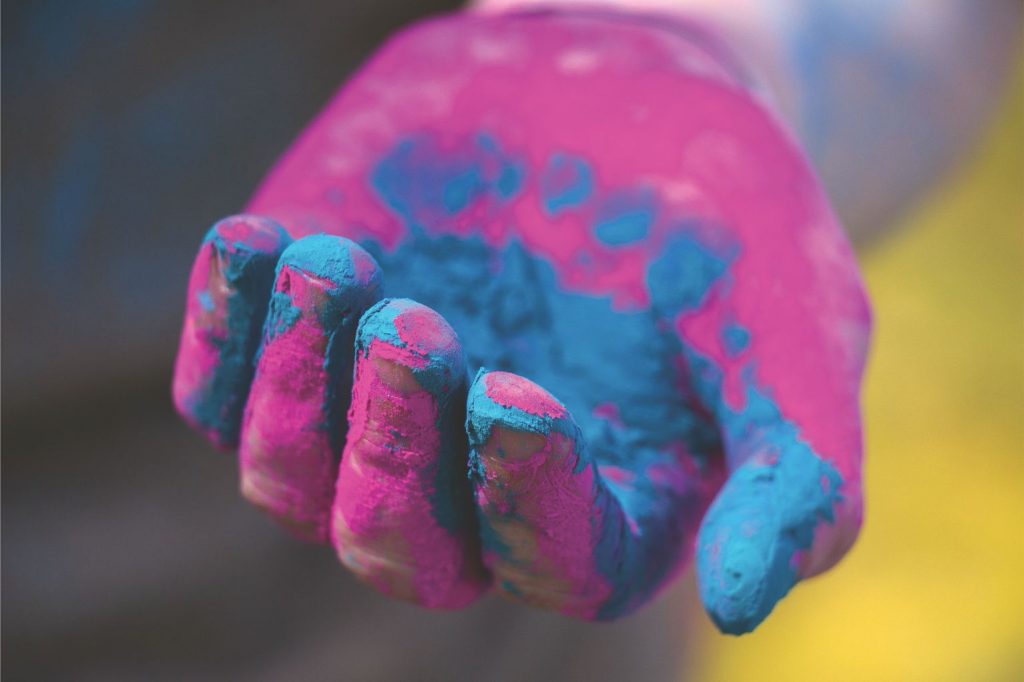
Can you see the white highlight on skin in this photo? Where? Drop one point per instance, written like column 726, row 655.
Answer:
column 578, row 61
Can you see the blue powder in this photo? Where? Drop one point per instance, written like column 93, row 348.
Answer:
column 683, row 275
column 735, row 338
column 503, row 308
column 282, row 315
column 323, row 256
column 566, row 182
column 461, row 191
column 422, row 183
column 512, row 314
column 379, row 323
column 628, row 228
column 512, row 173
column 510, row 182
column 766, row 512
column 626, row 218
column 206, row 300
column 501, row 305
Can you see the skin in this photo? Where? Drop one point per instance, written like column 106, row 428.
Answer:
column 624, row 331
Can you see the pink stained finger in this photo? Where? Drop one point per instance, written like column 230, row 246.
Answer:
column 228, row 292
column 403, row 516
column 294, row 423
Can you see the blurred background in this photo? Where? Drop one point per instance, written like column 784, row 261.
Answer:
column 129, row 127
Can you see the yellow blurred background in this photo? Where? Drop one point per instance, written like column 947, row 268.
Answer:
column 934, row 588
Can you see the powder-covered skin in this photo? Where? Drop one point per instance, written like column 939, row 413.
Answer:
column 403, row 516
column 665, row 322
column 294, row 424
column 227, row 303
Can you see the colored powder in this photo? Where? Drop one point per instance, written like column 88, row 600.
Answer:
column 295, row 422
column 402, row 495
column 626, row 218
column 246, row 250
column 736, row 339
column 566, row 182
column 682, row 276
column 625, row 356
column 489, row 212
column 440, row 370
column 421, row 181
column 766, row 513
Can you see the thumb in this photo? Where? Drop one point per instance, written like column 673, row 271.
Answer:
column 756, row 539
column 776, row 354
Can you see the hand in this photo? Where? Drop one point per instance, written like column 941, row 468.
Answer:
column 668, row 321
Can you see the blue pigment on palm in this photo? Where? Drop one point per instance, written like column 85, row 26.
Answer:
column 419, row 181
column 461, row 191
column 626, row 218
column 682, row 276
column 566, row 182
column 735, row 338
column 512, row 314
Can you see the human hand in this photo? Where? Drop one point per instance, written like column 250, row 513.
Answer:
column 594, row 209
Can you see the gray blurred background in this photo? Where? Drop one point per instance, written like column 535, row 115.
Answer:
column 128, row 128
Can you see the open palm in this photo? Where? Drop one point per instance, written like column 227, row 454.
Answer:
column 594, row 218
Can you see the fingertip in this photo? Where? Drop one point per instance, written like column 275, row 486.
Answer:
column 510, row 401
column 331, row 257
column 510, row 423
column 339, row 266
column 247, row 234
column 328, row 281
column 417, row 338
column 741, row 581
column 756, row 534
